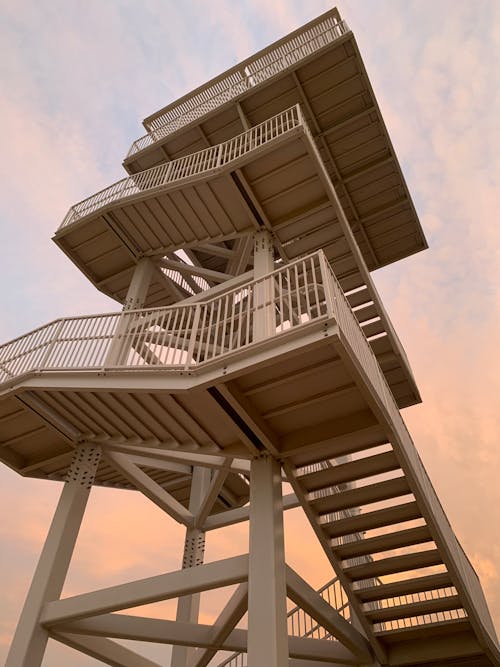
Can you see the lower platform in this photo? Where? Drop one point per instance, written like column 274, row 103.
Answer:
column 210, row 387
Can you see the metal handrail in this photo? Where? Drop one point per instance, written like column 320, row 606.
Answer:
column 207, row 161
column 252, row 72
column 462, row 570
column 422, row 619
column 301, row 624
column 181, row 337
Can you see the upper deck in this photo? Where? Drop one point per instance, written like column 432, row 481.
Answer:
column 319, row 67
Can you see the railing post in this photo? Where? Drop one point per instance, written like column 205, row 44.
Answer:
column 300, row 117
column 50, row 346
column 194, row 331
column 219, row 156
column 326, row 277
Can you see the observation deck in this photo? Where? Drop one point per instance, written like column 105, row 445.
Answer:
column 320, row 68
column 195, row 379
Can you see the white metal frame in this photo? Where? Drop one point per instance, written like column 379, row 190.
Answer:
column 238, row 318
column 88, row 622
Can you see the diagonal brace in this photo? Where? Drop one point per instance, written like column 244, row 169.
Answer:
column 232, row 613
column 107, row 651
column 149, row 487
column 300, row 592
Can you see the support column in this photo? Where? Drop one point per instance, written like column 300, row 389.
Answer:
column 30, row 639
column 188, row 607
column 139, row 285
column 135, row 299
column 267, row 614
column 264, row 318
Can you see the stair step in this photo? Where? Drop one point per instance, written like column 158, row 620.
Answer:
column 350, row 471
column 401, row 538
column 425, row 632
column 375, row 519
column 419, row 608
column 430, row 582
column 362, row 495
column 368, row 312
column 348, row 280
column 373, row 328
column 393, row 564
column 359, row 297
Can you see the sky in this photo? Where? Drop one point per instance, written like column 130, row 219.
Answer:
column 77, row 78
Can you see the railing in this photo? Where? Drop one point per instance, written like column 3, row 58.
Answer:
column 189, row 166
column 235, row 82
column 350, row 331
column 300, row 624
column 410, row 621
column 177, row 337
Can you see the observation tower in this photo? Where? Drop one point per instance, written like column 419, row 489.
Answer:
column 250, row 349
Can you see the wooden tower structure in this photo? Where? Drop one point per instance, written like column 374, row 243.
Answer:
column 251, row 348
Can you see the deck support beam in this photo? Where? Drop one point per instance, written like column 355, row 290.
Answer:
column 267, row 619
column 30, row 639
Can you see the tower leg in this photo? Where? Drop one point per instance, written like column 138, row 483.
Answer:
column 188, row 607
column 139, row 285
column 30, row 639
column 267, row 621
column 135, row 299
column 264, row 322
